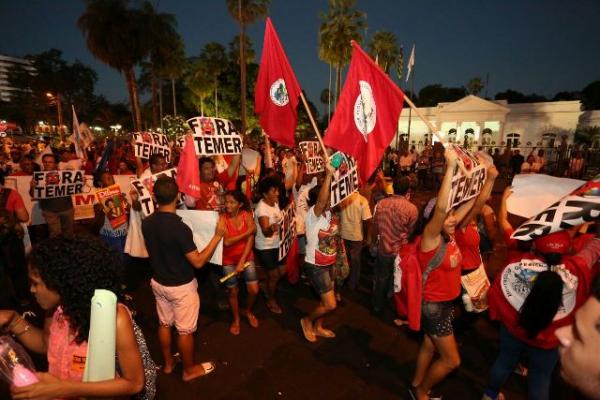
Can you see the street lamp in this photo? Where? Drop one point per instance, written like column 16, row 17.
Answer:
column 56, row 98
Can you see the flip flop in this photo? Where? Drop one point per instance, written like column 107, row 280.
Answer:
column 252, row 321
column 234, row 330
column 307, row 330
column 325, row 333
column 274, row 308
column 208, row 367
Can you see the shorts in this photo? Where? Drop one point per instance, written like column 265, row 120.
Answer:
column 249, row 274
column 177, row 305
column 268, row 258
column 437, row 317
column 319, row 277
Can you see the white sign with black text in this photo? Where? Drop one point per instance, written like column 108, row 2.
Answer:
column 215, row 136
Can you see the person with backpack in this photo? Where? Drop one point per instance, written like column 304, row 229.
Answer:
column 440, row 260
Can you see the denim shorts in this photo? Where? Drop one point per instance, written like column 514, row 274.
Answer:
column 249, row 274
column 319, row 277
column 437, row 317
column 268, row 258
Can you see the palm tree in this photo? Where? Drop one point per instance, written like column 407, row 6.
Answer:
column 199, row 83
column 214, row 58
column 246, row 12
column 475, row 86
column 115, row 35
column 341, row 24
column 384, row 48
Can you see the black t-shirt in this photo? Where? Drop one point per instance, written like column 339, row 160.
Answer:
column 168, row 240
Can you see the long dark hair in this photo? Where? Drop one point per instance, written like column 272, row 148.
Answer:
column 543, row 301
column 240, row 198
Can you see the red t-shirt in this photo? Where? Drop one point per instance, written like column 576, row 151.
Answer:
column 468, row 243
column 211, row 196
column 14, row 201
column 233, row 253
column 223, row 177
column 443, row 283
column 511, row 287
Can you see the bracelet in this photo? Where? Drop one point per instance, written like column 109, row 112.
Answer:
column 25, row 330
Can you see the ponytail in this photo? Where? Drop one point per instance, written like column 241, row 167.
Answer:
column 542, row 303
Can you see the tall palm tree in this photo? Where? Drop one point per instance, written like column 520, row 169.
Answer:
column 199, row 82
column 246, row 12
column 116, row 36
column 341, row 24
column 384, row 48
column 214, row 58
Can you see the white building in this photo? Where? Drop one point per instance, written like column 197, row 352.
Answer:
column 477, row 121
column 6, row 63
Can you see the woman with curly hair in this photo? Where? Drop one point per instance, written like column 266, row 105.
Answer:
column 64, row 274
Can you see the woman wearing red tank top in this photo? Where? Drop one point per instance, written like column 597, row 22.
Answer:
column 238, row 257
column 441, row 285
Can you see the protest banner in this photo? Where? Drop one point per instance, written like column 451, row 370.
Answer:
column 144, row 189
column 287, row 229
column 466, row 187
column 215, row 136
column 53, row 184
column 203, row 224
column 578, row 207
column 149, row 143
column 312, row 157
column 533, row 193
column 83, row 204
column 113, row 204
column 345, row 178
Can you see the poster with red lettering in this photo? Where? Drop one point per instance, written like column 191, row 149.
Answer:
column 146, row 144
column 215, row 136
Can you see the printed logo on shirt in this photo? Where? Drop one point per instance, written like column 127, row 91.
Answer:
column 518, row 278
column 78, row 363
column 327, row 249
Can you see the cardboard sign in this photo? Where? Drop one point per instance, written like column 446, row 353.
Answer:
column 113, row 205
column 345, row 178
column 53, row 184
column 215, row 136
column 203, row 224
column 466, row 187
column 83, row 203
column 579, row 207
column 287, row 229
column 149, row 143
column 312, row 157
column 144, row 190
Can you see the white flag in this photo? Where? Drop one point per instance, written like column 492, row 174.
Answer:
column 76, row 136
column 411, row 62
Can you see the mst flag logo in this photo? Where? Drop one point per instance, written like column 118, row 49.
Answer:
column 365, row 111
column 278, row 93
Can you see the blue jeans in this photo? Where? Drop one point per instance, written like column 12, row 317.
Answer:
column 541, row 364
column 383, row 279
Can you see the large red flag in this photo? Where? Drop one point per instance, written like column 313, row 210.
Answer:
column 188, row 171
column 277, row 91
column 366, row 117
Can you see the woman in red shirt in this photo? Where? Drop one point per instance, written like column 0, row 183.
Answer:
column 440, row 260
column 237, row 252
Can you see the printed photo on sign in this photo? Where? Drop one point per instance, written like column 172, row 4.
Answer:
column 345, row 178
column 53, row 184
column 579, row 207
column 466, row 187
column 287, row 230
column 215, row 136
column 144, row 190
column 113, row 204
column 311, row 151
column 149, row 143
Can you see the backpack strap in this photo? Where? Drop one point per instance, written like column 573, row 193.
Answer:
column 435, row 262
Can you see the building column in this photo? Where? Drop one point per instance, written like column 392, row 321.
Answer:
column 502, row 133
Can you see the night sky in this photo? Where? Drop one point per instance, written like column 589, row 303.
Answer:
column 541, row 46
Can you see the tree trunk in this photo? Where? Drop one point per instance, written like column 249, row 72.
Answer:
column 201, row 107
column 216, row 100
column 160, row 103
column 154, row 93
column 130, row 99
column 329, row 98
column 174, row 98
column 243, row 77
column 135, row 101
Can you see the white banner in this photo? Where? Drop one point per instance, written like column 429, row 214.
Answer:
column 149, row 143
column 215, row 136
column 345, row 178
column 144, row 190
column 466, row 187
column 203, row 224
column 287, row 230
column 312, row 157
column 53, row 184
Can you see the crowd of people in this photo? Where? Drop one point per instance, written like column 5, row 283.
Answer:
column 428, row 250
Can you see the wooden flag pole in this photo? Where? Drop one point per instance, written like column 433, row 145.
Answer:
column 314, row 124
column 429, row 124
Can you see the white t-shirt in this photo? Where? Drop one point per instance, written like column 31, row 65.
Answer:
column 274, row 214
column 301, row 199
column 250, row 160
column 321, row 245
column 74, row 164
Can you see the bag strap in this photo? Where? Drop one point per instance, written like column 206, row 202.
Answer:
column 435, row 262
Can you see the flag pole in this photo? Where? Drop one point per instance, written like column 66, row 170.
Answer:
column 314, row 124
column 429, row 124
column 412, row 91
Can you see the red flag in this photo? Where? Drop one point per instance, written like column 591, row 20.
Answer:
column 366, row 118
column 277, row 91
column 188, row 172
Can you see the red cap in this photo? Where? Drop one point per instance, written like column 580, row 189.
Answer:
column 557, row 242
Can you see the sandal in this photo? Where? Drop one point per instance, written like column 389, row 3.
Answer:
column 307, row 330
column 234, row 329
column 252, row 321
column 325, row 333
column 274, row 308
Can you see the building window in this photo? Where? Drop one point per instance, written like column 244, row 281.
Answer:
column 486, row 136
column 513, row 139
column 452, row 136
column 548, row 139
column 469, row 137
column 427, row 138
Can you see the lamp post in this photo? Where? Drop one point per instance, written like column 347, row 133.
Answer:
column 56, row 98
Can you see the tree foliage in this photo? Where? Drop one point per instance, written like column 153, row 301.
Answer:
column 383, row 47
